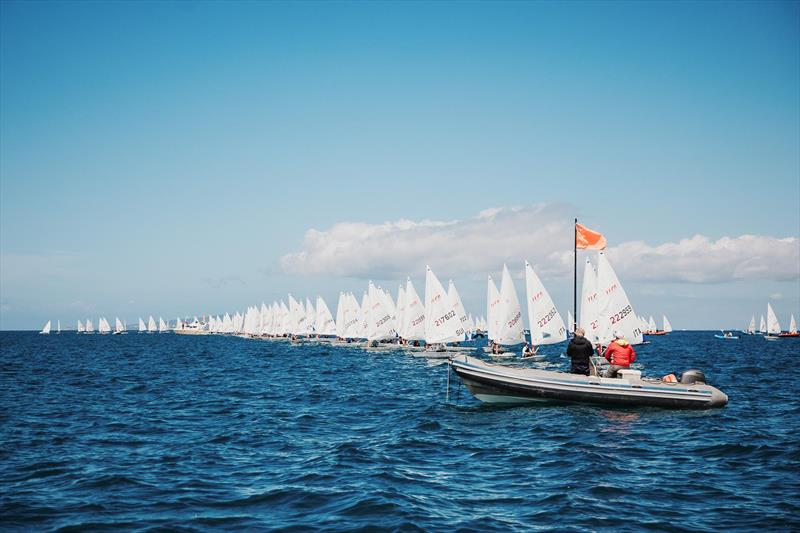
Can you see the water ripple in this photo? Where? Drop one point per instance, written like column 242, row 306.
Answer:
column 163, row 432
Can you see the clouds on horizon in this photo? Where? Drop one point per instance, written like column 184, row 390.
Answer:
column 540, row 233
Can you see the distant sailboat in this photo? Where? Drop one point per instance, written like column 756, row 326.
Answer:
column 151, row 325
column 162, row 326
column 545, row 322
column 773, row 326
column 142, row 328
column 81, row 329
column 325, row 325
column 89, row 326
column 103, row 326
column 414, row 322
column 45, row 329
column 762, row 327
column 667, row 325
column 119, row 327
column 442, row 324
column 508, row 314
column 792, row 329
column 58, row 328
column 751, row 328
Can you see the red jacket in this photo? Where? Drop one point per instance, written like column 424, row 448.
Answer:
column 620, row 354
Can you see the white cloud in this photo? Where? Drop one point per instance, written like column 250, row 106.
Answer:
column 701, row 260
column 471, row 246
column 543, row 235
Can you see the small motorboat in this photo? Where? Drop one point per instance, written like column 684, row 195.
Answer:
column 492, row 383
column 728, row 336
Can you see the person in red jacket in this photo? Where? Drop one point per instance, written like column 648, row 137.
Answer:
column 620, row 354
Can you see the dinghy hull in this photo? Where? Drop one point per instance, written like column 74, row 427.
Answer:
column 501, row 384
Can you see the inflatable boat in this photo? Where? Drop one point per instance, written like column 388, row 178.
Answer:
column 499, row 384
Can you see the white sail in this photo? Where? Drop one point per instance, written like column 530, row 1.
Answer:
column 103, row 326
column 286, row 319
column 492, row 304
column 311, row 317
column 151, row 324
column 388, row 302
column 545, row 322
column 590, row 315
column 458, row 307
column 80, row 327
column 118, row 327
column 298, row 317
column 414, row 323
column 667, row 325
column 792, row 325
column 46, row 329
column 652, row 325
column 58, row 327
column 773, row 326
column 324, row 324
column 471, row 327
column 751, row 328
column 89, row 326
column 615, row 309
column 353, row 316
column 364, row 318
column 142, row 327
column 570, row 321
column 441, row 323
column 162, row 326
column 509, row 314
column 340, row 311
column 379, row 316
column 400, row 310
column 762, row 328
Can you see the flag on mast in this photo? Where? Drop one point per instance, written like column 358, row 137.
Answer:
column 586, row 239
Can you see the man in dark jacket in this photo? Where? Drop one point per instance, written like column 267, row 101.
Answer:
column 580, row 350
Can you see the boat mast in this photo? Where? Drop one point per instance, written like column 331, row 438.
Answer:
column 575, row 277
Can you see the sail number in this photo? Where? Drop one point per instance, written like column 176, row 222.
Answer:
column 514, row 320
column 622, row 314
column 547, row 318
column 442, row 319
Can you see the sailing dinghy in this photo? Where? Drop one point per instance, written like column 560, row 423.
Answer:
column 442, row 323
column 545, row 322
column 792, row 329
column 773, row 326
column 507, row 315
column 45, row 329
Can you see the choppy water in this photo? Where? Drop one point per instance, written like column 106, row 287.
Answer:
column 202, row 433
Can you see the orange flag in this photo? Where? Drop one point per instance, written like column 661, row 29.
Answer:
column 586, row 239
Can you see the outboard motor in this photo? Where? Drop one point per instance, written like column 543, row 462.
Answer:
column 693, row 376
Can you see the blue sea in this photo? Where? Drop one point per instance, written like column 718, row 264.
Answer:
column 170, row 432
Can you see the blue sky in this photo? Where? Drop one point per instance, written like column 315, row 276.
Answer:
column 163, row 157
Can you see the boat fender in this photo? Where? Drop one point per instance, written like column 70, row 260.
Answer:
column 692, row 376
column 669, row 378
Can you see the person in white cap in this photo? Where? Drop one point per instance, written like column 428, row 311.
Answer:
column 620, row 354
